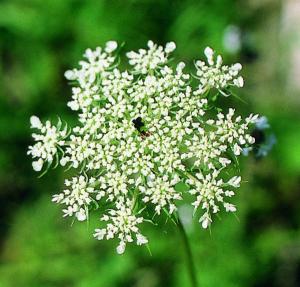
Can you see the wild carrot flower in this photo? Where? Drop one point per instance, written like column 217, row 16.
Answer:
column 142, row 134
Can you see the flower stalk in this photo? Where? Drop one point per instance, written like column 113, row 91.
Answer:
column 190, row 264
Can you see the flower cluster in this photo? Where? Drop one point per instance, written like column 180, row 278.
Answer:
column 142, row 135
column 48, row 139
column 77, row 197
column 216, row 75
column 123, row 225
column 145, row 61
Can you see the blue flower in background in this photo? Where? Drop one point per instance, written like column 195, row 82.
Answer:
column 262, row 123
column 264, row 140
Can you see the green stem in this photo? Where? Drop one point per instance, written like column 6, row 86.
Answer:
column 188, row 253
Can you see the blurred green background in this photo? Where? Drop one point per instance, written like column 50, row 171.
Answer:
column 40, row 39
